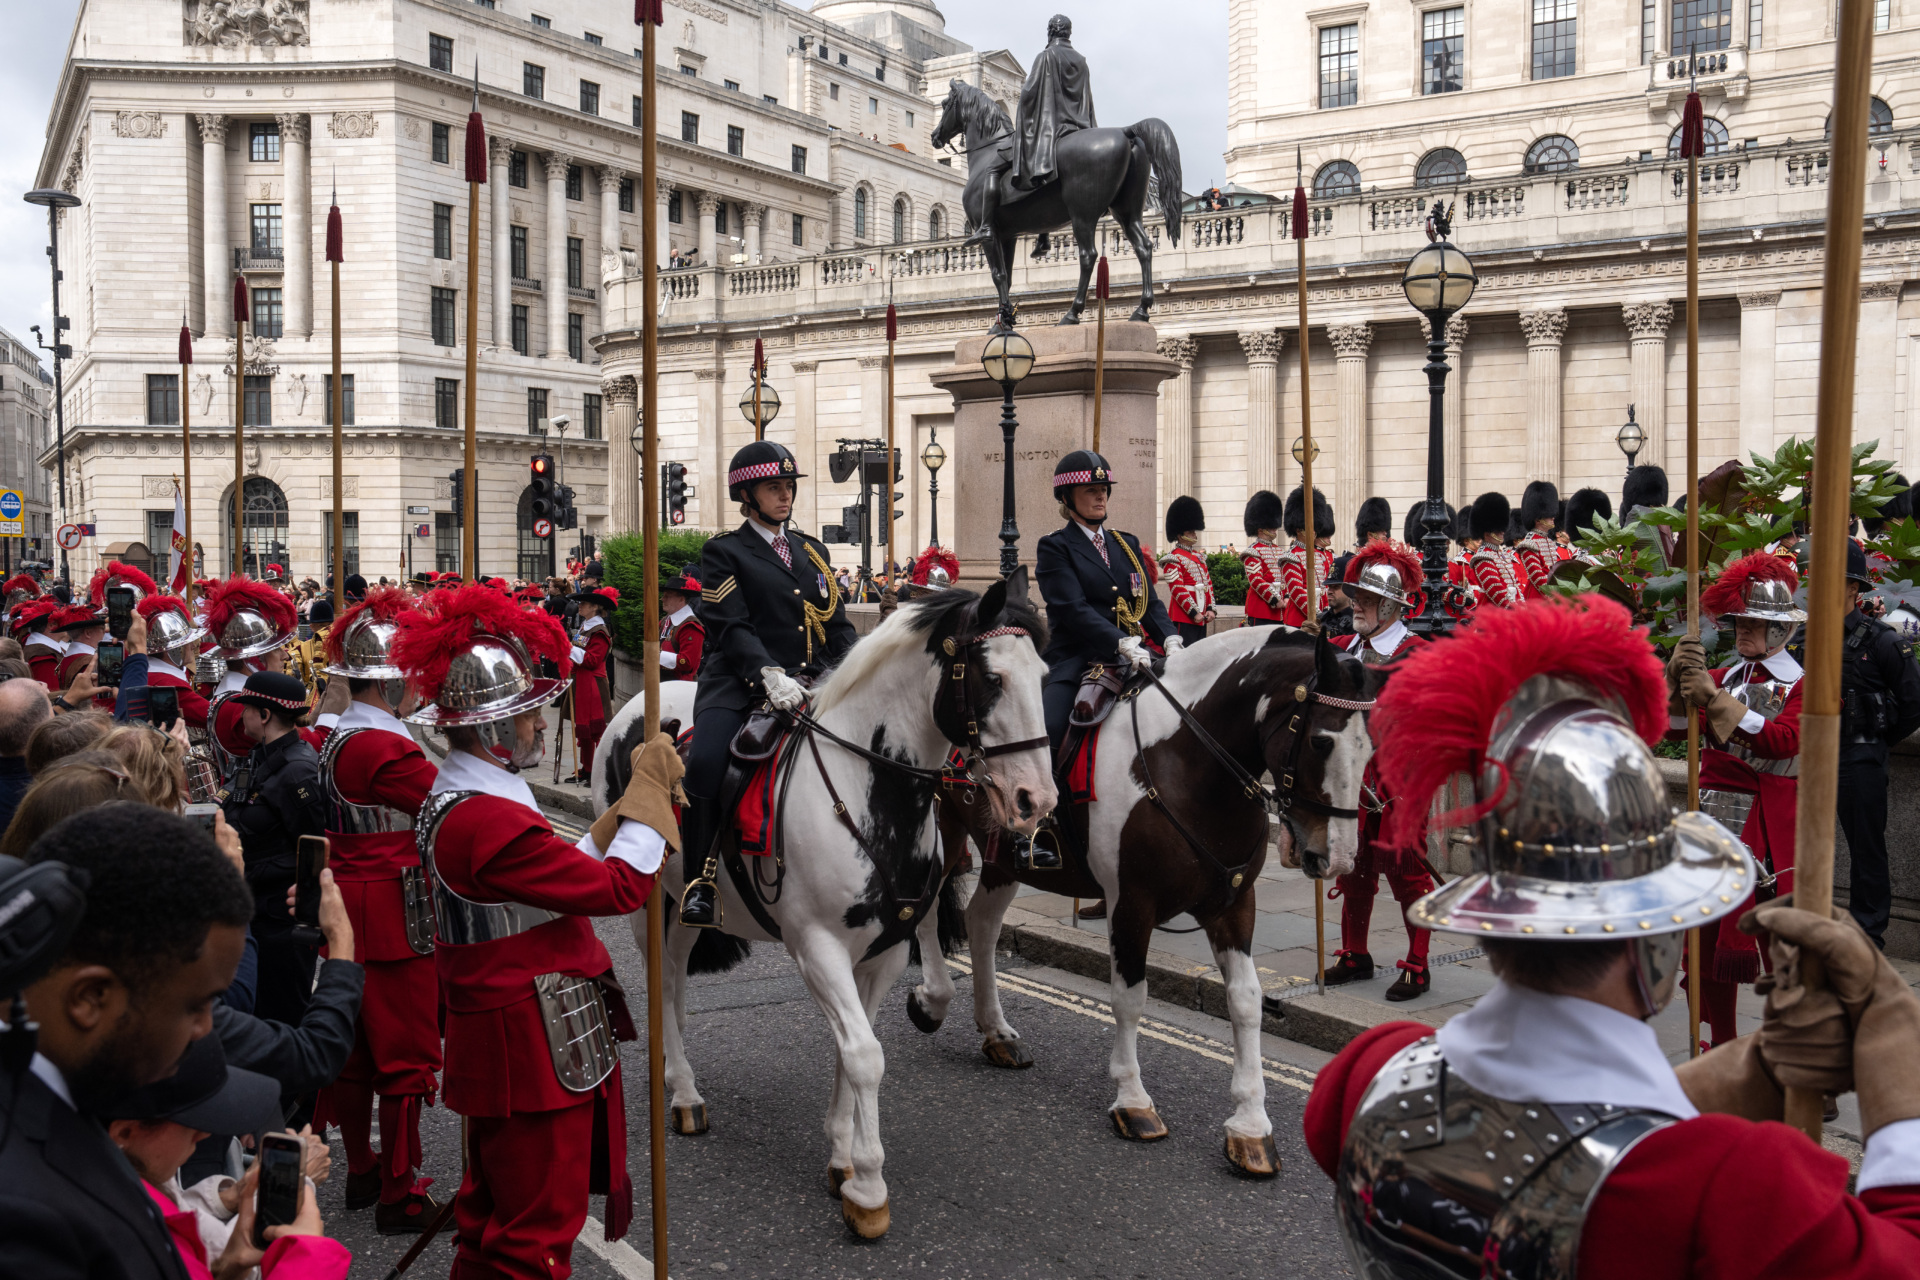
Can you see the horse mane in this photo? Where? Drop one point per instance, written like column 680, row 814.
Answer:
column 920, row 625
column 976, row 107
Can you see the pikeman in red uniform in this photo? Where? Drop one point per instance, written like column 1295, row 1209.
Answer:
column 1266, row 600
column 1495, row 569
column 1293, row 565
column 1542, row 1132
column 515, row 944
column 249, row 623
column 592, row 694
column 1750, row 765
column 173, row 650
column 20, row 589
column 1184, row 570
column 1384, row 579
column 83, row 627
column 683, row 638
column 376, row 778
column 31, row 623
column 1537, row 551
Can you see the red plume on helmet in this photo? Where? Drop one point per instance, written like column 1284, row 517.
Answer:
column 1397, row 554
column 1728, row 594
column 230, row 595
column 386, row 604
column 150, row 605
column 1436, row 716
column 935, row 555
column 19, row 582
column 75, row 615
column 34, row 612
column 123, row 574
column 444, row 622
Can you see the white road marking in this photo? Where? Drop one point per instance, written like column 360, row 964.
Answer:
column 618, row 1254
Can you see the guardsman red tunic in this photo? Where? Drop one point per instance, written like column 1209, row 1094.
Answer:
column 589, row 680
column 1265, row 597
column 1293, row 578
column 1495, row 570
column 682, row 642
column 163, row 674
column 1538, row 555
column 1189, row 585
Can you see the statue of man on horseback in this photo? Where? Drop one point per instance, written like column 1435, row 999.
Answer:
column 1057, row 99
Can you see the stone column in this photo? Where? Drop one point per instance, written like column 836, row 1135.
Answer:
column 754, row 217
column 1759, row 316
column 499, row 157
column 709, row 238
column 555, row 284
column 1176, row 420
column 1544, row 331
column 1877, row 351
column 623, row 464
column 1263, row 348
column 217, row 254
column 1351, row 480
column 1647, row 324
column 662, row 247
column 710, row 477
column 297, row 224
column 806, row 442
column 1453, row 414
column 610, row 180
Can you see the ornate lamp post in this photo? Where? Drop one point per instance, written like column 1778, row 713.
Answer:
column 1438, row 281
column 1007, row 358
column 1300, row 451
column 759, row 403
column 933, row 457
column 1631, row 437
column 54, row 200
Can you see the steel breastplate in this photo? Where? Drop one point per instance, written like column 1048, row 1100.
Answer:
column 1767, row 697
column 1439, row 1181
column 223, row 760
column 350, row 818
column 462, row 922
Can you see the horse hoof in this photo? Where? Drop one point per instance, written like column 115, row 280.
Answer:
column 868, row 1224
column 1139, row 313
column 918, row 1015
column 1254, row 1157
column 1069, row 318
column 1010, row 1054
column 837, row 1175
column 690, row 1122
column 1140, row 1124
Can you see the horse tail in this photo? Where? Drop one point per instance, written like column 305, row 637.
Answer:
column 1164, row 153
column 713, row 951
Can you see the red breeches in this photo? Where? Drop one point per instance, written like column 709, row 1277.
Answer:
column 396, row 1054
column 524, row 1198
column 1409, row 882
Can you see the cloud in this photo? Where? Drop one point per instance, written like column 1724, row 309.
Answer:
column 38, row 36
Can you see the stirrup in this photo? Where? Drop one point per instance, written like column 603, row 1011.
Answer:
column 1031, row 855
column 700, row 900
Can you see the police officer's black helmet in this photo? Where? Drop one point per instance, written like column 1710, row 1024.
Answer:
column 1857, row 565
column 761, row 460
column 1082, row 466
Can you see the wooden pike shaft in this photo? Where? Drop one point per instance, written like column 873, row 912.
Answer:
column 338, row 392
column 650, row 593
column 1694, row 974
column 239, row 443
column 186, row 473
column 1099, row 369
column 1832, row 492
column 469, row 478
column 893, row 587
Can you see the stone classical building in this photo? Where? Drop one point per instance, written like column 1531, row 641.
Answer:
column 208, row 139
column 1546, row 124
column 26, row 427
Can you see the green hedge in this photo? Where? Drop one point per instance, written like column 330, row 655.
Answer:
column 1229, row 578
column 624, row 558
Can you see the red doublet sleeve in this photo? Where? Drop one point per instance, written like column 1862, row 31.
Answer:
column 377, row 767
column 1341, row 1084
column 226, row 727
column 193, row 707
column 537, row 867
column 690, row 644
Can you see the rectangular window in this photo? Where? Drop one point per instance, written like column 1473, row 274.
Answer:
column 720, row 218
column 266, row 230
column 517, row 252
column 160, row 540
column 576, row 182
column 626, row 195
column 446, row 540
column 833, row 94
column 446, row 403
column 732, row 84
column 590, row 412
column 443, row 231
column 1700, row 26
column 521, row 340
column 1340, row 65
column 873, row 106
column 673, row 206
column 268, row 319
column 799, row 229
column 536, row 408
column 539, row 21
column 769, row 99
column 440, row 52
column 1442, row 55
column 263, row 142
column 686, row 70
column 577, row 335
column 443, row 318
column 843, row 59
column 533, row 80
column 346, row 397
column 258, row 405
column 517, row 169
column 575, row 254
column 639, row 113
column 909, row 119
column 1755, row 13
column 163, row 399
column 484, row 4
column 589, row 97
column 442, row 144
column 349, row 539
column 689, row 127
column 736, row 140
column 591, row 38
column 1882, row 14
column 799, row 159
column 1553, row 38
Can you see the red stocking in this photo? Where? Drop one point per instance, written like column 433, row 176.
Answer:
column 399, row 1146
column 350, row 1104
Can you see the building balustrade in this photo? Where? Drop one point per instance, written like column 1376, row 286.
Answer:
column 522, row 282
column 580, row 291
column 251, row 259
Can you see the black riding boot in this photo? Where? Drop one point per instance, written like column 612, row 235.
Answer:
column 699, row 824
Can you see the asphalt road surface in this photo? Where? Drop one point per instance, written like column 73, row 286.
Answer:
column 991, row 1173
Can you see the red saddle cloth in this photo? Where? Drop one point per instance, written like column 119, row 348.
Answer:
column 1079, row 770
column 754, row 815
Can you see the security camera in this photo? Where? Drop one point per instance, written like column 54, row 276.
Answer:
column 561, row 420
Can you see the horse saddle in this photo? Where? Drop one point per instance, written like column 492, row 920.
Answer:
column 1101, row 687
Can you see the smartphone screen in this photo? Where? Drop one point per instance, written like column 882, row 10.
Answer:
column 204, row 814
column 311, row 860
column 163, row 706
column 119, row 611
column 107, row 660
column 277, row 1202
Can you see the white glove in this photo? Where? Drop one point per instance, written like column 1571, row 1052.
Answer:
column 783, row 691
column 1133, row 653
column 1173, row 644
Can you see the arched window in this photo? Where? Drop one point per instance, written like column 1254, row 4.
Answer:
column 1555, row 153
column 535, row 559
column 1712, row 132
column 263, row 526
column 1337, row 178
column 900, row 220
column 1440, row 167
column 1879, row 120
column 859, row 213
column 936, row 225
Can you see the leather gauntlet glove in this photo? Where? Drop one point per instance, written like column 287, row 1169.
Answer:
column 651, row 793
column 1732, row 1079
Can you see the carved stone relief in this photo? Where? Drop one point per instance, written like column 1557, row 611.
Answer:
column 140, row 124
column 232, row 24
column 352, row 124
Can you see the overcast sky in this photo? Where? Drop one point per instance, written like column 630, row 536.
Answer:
column 1144, row 64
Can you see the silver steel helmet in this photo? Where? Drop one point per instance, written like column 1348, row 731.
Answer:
column 937, row 577
column 1770, row 602
column 1383, row 580
column 171, row 634
column 248, row 634
column 364, row 648
column 490, row 680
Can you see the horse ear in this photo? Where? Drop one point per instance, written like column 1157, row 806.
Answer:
column 1017, row 584
column 1326, row 660
column 987, row 616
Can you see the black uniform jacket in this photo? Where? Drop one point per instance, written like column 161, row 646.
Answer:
column 754, row 610
column 1879, row 682
column 70, row 1204
column 1080, row 591
column 282, row 801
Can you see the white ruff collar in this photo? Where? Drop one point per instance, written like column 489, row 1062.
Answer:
column 361, row 716
column 462, row 771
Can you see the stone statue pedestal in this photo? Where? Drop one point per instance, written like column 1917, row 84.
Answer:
column 1054, row 406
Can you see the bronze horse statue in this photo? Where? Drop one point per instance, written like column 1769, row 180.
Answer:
column 1101, row 171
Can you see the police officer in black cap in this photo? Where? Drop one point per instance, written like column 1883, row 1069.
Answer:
column 1879, row 706
column 773, row 611
column 273, row 798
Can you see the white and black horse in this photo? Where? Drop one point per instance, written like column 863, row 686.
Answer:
column 856, row 842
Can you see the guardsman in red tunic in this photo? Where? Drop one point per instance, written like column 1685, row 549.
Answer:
column 592, row 693
column 1293, row 565
column 376, row 778
column 1184, row 570
column 515, row 945
column 249, row 623
column 1542, row 1132
column 173, row 649
column 683, row 640
column 1537, row 551
column 83, row 627
column 31, row 623
column 1384, row 580
column 1750, row 765
column 1495, row 570
column 1266, row 601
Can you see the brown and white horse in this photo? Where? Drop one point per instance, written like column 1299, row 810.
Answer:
column 1177, row 828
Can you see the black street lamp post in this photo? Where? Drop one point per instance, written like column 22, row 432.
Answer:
column 1007, row 358
column 933, row 457
column 1632, row 436
column 1438, row 282
column 54, row 200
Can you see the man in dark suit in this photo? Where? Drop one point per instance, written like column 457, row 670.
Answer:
column 773, row 611
column 159, row 939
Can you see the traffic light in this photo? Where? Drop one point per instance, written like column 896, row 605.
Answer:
column 676, row 487
column 564, row 514
column 541, row 468
column 457, row 481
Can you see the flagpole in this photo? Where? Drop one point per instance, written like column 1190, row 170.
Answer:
column 1310, row 561
column 1099, row 346
column 1832, row 491
column 1692, row 142
column 337, row 393
column 476, row 166
column 241, row 311
column 186, row 445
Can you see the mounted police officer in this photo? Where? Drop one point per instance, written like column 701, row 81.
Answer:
column 772, row 611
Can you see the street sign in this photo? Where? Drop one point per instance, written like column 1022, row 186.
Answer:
column 543, row 528
column 69, row 536
column 419, row 511
column 11, row 526
column 423, row 531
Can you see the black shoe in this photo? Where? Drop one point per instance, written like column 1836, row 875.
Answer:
column 363, row 1189
column 1351, row 967
column 1098, row 911
column 700, row 906
column 1031, row 855
column 411, row 1216
column 1410, row 983
column 699, row 823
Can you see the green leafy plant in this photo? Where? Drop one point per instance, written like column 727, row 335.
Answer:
column 623, row 556
column 1229, row 578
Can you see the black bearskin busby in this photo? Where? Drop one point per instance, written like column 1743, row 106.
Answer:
column 1491, row 514
column 1583, row 507
column 1296, row 516
column 1184, row 516
column 1376, row 516
column 1646, row 486
column 1263, row 512
column 1413, row 530
column 1540, row 502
